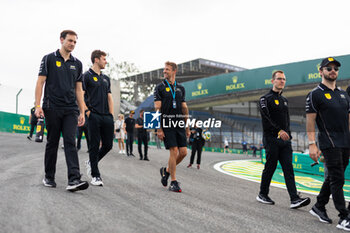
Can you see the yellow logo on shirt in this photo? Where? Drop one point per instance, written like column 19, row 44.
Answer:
column 95, row 79
column 328, row 96
column 277, row 102
column 58, row 63
column 167, row 89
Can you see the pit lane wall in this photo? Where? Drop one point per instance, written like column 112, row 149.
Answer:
column 14, row 123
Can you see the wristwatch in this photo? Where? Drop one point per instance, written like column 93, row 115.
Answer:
column 311, row 142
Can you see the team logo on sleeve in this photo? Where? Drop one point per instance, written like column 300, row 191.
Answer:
column 58, row 63
column 95, row 79
column 167, row 89
column 277, row 102
column 328, row 96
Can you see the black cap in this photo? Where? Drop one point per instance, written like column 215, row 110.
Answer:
column 328, row 60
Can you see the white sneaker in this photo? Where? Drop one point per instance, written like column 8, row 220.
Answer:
column 124, row 152
column 97, row 181
column 120, row 152
column 88, row 167
column 344, row 224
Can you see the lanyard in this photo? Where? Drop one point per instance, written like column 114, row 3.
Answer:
column 172, row 93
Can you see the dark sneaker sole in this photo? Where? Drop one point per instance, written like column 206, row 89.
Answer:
column 79, row 187
column 264, row 202
column 301, row 204
column 319, row 218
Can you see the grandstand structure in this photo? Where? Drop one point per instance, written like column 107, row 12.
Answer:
column 187, row 71
column 233, row 99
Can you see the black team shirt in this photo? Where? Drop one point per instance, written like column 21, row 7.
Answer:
column 130, row 125
column 274, row 114
column 61, row 78
column 332, row 116
column 162, row 93
column 141, row 131
column 96, row 88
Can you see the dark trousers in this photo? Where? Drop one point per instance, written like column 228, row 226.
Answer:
column 142, row 138
column 80, row 131
column 336, row 159
column 101, row 128
column 129, row 142
column 32, row 127
column 65, row 122
column 278, row 150
column 196, row 147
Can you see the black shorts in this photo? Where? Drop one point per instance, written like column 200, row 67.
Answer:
column 175, row 138
column 226, row 147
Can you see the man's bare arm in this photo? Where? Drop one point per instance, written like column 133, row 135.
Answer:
column 310, row 129
column 80, row 100
column 38, row 93
column 185, row 113
column 110, row 104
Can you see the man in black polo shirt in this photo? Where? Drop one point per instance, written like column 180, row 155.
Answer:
column 129, row 131
column 99, row 111
column 277, row 140
column 328, row 105
column 142, row 136
column 61, row 74
column 169, row 99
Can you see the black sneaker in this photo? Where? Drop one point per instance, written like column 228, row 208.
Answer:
column 131, row 154
column 77, row 185
column 300, row 202
column 321, row 214
column 265, row 199
column 29, row 138
column 165, row 176
column 49, row 183
column 174, row 186
column 146, row 159
column 344, row 224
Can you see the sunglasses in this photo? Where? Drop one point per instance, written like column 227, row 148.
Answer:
column 329, row 69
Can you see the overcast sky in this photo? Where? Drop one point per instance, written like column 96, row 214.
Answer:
column 249, row 34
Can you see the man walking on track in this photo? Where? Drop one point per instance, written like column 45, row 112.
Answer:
column 129, row 130
column 62, row 75
column 99, row 111
column 328, row 106
column 277, row 140
column 142, row 137
column 169, row 100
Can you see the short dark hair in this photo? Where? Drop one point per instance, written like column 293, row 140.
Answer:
column 172, row 64
column 277, row 71
column 68, row 32
column 97, row 54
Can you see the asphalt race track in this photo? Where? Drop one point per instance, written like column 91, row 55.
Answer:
column 133, row 199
